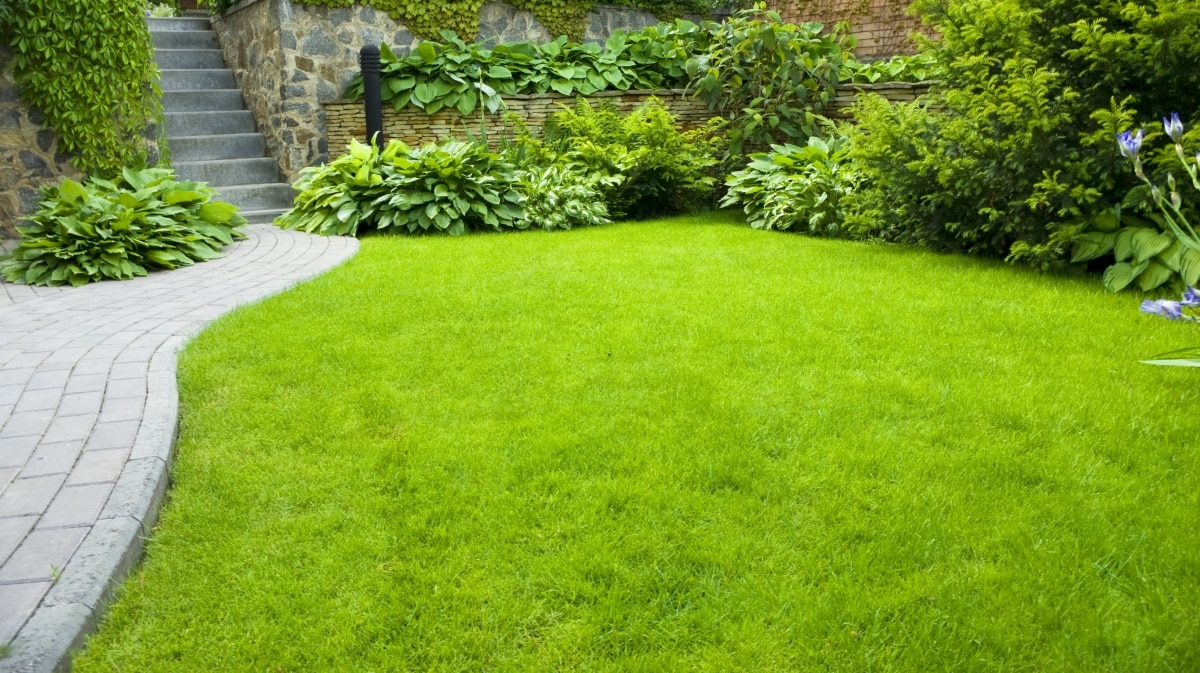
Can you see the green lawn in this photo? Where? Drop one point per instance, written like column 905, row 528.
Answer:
column 675, row 446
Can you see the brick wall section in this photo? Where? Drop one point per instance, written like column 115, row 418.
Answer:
column 29, row 158
column 881, row 26
column 345, row 119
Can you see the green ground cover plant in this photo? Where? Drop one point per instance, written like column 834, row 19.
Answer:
column 680, row 445
column 119, row 229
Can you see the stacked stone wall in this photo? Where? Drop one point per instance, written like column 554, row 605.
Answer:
column 29, row 157
column 881, row 27
column 346, row 119
column 291, row 61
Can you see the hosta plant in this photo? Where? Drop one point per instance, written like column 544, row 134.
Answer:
column 795, row 187
column 451, row 186
column 120, row 228
column 555, row 197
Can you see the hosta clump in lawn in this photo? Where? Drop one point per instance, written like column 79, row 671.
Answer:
column 798, row 188
column 451, row 186
column 120, row 228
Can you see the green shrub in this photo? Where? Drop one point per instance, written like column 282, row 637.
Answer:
column 770, row 78
column 795, row 188
column 555, row 197
column 119, row 229
column 456, row 74
column 450, row 186
column 665, row 170
column 902, row 68
column 89, row 68
column 1016, row 157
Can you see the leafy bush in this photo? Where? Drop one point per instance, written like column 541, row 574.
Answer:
column 665, row 170
column 89, row 68
column 769, row 77
column 455, row 74
column 1016, row 158
column 794, row 187
column 451, row 186
column 121, row 228
column 555, row 197
column 902, row 68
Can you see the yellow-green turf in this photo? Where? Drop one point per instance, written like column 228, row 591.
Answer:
column 681, row 445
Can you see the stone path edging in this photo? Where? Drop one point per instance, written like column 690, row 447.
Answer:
column 170, row 308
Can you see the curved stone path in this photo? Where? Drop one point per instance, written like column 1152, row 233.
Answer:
column 88, row 410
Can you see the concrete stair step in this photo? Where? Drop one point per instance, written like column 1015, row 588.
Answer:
column 208, row 123
column 190, row 80
column 189, row 59
column 179, row 23
column 250, row 198
column 184, row 39
column 204, row 100
column 231, row 146
column 261, row 216
column 228, row 172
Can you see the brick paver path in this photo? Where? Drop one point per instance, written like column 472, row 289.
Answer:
column 87, row 420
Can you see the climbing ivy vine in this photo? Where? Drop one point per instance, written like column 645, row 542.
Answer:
column 89, row 68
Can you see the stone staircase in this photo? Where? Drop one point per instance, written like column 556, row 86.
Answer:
column 210, row 132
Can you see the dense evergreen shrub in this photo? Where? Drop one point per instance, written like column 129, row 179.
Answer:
column 1017, row 156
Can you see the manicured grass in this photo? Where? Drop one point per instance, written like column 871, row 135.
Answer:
column 675, row 446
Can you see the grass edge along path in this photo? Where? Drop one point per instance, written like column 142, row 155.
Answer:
column 674, row 445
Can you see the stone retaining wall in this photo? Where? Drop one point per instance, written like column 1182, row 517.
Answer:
column 346, row 119
column 291, row 60
column 29, row 158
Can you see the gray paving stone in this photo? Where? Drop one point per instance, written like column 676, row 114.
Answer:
column 76, row 506
column 7, row 474
column 57, row 458
column 12, row 533
column 38, row 400
column 15, row 451
column 9, row 394
column 113, row 435
column 94, row 467
column 86, row 383
column 80, row 403
column 125, row 388
column 29, row 496
column 69, row 428
column 128, row 370
column 93, row 365
column 42, row 555
column 19, row 601
column 53, row 379
column 24, row 424
column 122, row 409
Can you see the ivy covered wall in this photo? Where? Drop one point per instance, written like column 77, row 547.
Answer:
column 881, row 27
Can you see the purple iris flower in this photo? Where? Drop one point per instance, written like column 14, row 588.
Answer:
column 1191, row 297
column 1129, row 143
column 1174, row 127
column 1163, row 307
